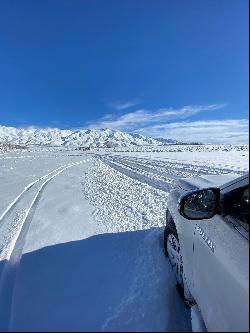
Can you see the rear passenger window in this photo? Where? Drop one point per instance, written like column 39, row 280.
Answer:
column 236, row 204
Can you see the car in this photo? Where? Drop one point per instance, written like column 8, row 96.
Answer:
column 206, row 239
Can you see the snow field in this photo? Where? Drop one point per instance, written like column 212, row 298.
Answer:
column 82, row 243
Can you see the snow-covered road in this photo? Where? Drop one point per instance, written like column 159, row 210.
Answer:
column 81, row 239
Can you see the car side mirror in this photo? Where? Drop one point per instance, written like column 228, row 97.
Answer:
column 199, row 205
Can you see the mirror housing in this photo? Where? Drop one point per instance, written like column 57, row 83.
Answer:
column 200, row 204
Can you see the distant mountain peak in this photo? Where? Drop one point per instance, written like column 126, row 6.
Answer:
column 103, row 137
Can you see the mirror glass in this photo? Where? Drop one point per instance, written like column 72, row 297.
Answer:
column 200, row 205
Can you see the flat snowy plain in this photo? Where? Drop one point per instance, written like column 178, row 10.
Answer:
column 81, row 245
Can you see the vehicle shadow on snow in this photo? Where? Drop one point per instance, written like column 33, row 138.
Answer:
column 108, row 282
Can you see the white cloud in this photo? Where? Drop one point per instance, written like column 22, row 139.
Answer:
column 123, row 106
column 133, row 120
column 227, row 131
column 170, row 123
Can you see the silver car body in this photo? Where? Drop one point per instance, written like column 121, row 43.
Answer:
column 215, row 254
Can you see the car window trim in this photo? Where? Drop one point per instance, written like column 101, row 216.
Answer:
column 230, row 218
column 237, row 180
column 236, row 225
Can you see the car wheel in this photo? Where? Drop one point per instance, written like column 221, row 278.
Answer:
column 169, row 228
column 173, row 251
column 175, row 258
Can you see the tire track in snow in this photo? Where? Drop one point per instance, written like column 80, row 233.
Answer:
column 12, row 205
column 158, row 170
column 149, row 178
column 154, row 175
column 175, row 169
column 13, row 252
column 167, row 174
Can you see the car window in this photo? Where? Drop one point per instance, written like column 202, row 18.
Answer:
column 236, row 204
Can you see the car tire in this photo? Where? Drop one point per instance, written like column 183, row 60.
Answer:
column 173, row 252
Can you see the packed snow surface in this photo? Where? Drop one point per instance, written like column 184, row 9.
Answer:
column 81, row 246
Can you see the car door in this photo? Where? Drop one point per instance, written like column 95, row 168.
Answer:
column 221, row 263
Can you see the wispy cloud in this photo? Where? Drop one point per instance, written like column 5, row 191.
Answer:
column 134, row 120
column 173, row 123
column 227, row 131
column 124, row 105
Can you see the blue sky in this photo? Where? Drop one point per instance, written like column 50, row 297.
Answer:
column 170, row 68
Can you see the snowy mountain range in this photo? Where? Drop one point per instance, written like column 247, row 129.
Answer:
column 76, row 138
